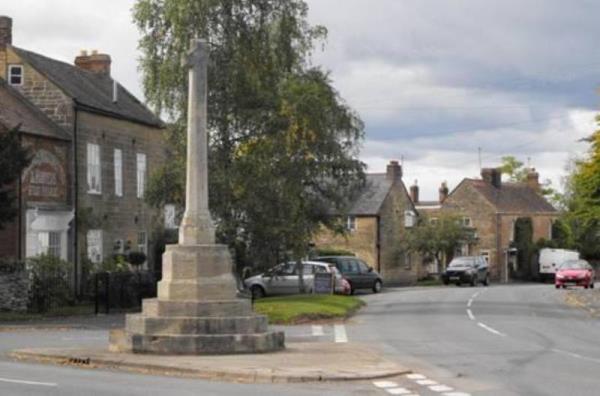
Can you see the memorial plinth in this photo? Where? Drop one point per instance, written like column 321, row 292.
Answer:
column 196, row 310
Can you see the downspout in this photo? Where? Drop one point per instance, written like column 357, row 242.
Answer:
column 378, row 243
column 75, row 198
column 20, row 210
column 503, row 268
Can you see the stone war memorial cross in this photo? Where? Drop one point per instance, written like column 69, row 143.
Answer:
column 197, row 310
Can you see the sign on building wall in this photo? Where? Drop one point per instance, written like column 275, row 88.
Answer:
column 45, row 178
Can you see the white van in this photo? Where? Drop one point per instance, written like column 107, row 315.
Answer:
column 550, row 259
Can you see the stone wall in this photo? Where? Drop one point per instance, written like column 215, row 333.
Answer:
column 40, row 91
column 14, row 290
column 120, row 218
column 395, row 266
column 362, row 241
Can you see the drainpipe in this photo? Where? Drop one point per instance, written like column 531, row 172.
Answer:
column 378, row 244
column 20, row 210
column 75, row 203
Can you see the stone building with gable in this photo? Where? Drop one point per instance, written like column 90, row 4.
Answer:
column 115, row 142
column 494, row 210
column 377, row 219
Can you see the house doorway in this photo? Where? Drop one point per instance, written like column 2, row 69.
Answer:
column 521, row 267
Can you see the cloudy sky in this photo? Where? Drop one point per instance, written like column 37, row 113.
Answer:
column 433, row 80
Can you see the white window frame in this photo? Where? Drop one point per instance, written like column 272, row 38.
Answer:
column 118, row 165
column 410, row 219
column 141, row 166
column 95, row 249
column 94, row 168
column 170, row 215
column 11, row 75
column 50, row 243
column 351, row 223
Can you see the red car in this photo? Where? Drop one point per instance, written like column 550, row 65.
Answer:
column 576, row 273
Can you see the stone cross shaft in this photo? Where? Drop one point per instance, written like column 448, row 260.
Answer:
column 197, row 226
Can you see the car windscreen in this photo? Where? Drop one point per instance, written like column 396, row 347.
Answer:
column 574, row 264
column 462, row 262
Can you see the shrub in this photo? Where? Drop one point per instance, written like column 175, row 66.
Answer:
column 136, row 258
column 10, row 266
column 334, row 252
column 50, row 286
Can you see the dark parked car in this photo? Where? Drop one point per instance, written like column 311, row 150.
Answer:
column 356, row 272
column 467, row 269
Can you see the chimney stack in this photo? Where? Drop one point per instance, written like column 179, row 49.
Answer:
column 443, row 192
column 492, row 176
column 394, row 171
column 5, row 32
column 533, row 179
column 414, row 193
column 95, row 62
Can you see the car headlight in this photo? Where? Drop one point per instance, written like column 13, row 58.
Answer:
column 560, row 276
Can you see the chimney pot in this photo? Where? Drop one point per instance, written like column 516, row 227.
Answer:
column 492, row 176
column 5, row 31
column 533, row 179
column 95, row 63
column 443, row 192
column 394, row 171
column 414, row 193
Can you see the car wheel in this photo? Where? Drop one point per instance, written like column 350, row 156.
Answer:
column 352, row 290
column 473, row 281
column 592, row 285
column 564, row 286
column 557, row 286
column 257, row 292
column 446, row 282
column 486, row 281
column 377, row 286
column 458, row 284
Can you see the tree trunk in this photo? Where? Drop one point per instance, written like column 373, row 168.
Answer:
column 300, row 270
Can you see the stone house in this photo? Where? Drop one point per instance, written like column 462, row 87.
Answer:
column 493, row 209
column 377, row 219
column 115, row 143
column 43, row 192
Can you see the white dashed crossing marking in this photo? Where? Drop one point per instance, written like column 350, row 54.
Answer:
column 399, row 391
column 426, row 382
column 415, row 376
column 317, row 331
column 385, row 384
column 457, row 394
column 22, row 382
column 340, row 333
column 441, row 388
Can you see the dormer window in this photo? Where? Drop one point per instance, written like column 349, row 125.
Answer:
column 15, row 75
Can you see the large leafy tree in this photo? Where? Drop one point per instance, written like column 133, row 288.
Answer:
column 580, row 224
column 283, row 144
column 14, row 158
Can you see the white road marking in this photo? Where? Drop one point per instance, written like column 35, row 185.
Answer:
column 398, row 391
column 470, row 314
column 385, row 384
column 491, row 330
column 457, row 394
column 576, row 355
column 317, row 331
column 470, row 302
column 15, row 381
column 416, row 376
column 426, row 382
column 340, row 333
column 441, row 388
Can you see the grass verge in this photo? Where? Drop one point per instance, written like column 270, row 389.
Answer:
column 74, row 310
column 306, row 308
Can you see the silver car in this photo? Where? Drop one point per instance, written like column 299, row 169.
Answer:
column 283, row 279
